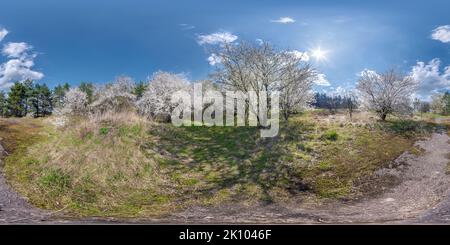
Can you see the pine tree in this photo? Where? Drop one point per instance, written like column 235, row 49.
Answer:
column 87, row 88
column 17, row 100
column 41, row 100
column 3, row 105
column 139, row 89
column 446, row 103
column 29, row 87
column 58, row 94
column 46, row 99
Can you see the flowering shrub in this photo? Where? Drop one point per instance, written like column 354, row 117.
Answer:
column 116, row 96
column 156, row 101
column 75, row 102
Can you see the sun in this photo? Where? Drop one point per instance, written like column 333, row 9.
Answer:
column 319, row 54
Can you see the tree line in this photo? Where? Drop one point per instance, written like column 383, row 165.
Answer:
column 440, row 103
column 27, row 98
column 243, row 67
column 333, row 102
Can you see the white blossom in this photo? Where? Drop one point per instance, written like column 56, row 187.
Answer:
column 116, row 96
column 386, row 93
column 75, row 102
column 156, row 101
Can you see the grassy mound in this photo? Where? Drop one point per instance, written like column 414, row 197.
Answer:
column 122, row 165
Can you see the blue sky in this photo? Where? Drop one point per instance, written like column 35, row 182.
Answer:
column 75, row 41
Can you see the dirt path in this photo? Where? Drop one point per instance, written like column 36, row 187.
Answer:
column 424, row 184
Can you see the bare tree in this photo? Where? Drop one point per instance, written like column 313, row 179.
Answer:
column 296, row 85
column 351, row 103
column 386, row 93
column 245, row 67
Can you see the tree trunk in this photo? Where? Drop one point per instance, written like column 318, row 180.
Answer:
column 286, row 116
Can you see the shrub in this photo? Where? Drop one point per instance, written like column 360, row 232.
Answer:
column 56, row 179
column 104, row 131
column 330, row 135
column 156, row 101
column 116, row 96
column 75, row 102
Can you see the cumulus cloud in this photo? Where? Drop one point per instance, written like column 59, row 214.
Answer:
column 430, row 78
column 3, row 33
column 303, row 56
column 15, row 50
column 442, row 33
column 214, row 59
column 216, row 38
column 284, row 20
column 322, row 80
column 17, row 70
column 20, row 65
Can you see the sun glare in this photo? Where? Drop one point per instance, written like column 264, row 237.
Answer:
column 318, row 54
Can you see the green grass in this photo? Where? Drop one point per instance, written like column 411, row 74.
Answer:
column 330, row 135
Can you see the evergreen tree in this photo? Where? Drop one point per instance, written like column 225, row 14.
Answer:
column 58, row 94
column 3, row 105
column 17, row 100
column 139, row 89
column 41, row 100
column 87, row 88
column 28, row 86
column 446, row 103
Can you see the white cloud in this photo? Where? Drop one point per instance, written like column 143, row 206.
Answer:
column 17, row 70
column 303, row 56
column 322, row 80
column 259, row 41
column 442, row 33
column 216, row 38
column 3, row 33
column 367, row 72
column 186, row 26
column 19, row 66
column 284, row 20
column 15, row 50
column 336, row 91
column 214, row 59
column 430, row 78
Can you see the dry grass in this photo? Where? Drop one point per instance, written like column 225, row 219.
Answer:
column 122, row 165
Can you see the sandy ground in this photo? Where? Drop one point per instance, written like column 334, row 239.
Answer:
column 423, row 196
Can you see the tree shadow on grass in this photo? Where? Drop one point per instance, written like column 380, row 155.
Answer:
column 227, row 156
